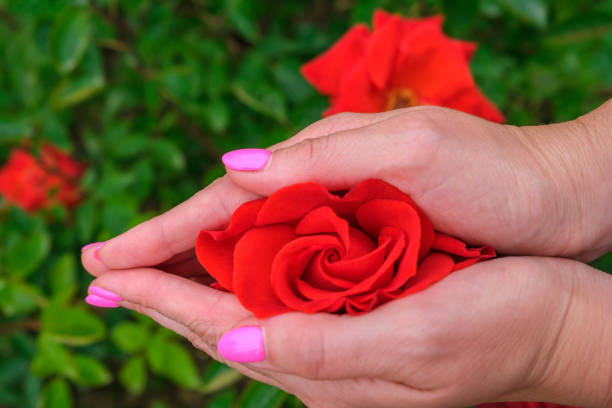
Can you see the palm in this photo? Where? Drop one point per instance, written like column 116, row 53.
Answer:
column 442, row 332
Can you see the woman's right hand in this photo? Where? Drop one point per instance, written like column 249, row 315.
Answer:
column 536, row 190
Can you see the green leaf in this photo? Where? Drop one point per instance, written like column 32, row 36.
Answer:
column 458, row 16
column 57, row 394
column 117, row 213
column 216, row 116
column 86, row 217
column 12, row 368
column 130, row 145
column 167, row 155
column 9, row 397
column 88, row 81
column 223, row 400
column 130, row 337
column 71, row 325
column 219, row 376
column 53, row 358
column 262, row 98
column 259, row 395
column 32, row 391
column 241, row 16
column 580, row 29
column 19, row 298
column 172, row 361
column 70, row 37
column 534, row 12
column 133, row 375
column 603, row 263
column 14, row 129
column 28, row 252
column 91, row 372
column 62, row 276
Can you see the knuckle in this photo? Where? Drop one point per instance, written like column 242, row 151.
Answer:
column 319, row 150
column 140, row 308
column 310, row 356
column 202, row 335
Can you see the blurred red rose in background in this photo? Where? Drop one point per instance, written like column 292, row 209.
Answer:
column 402, row 62
column 33, row 183
column 304, row 248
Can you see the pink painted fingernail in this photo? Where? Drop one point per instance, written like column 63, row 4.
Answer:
column 246, row 159
column 100, row 301
column 104, row 293
column 243, row 345
column 97, row 248
column 90, row 245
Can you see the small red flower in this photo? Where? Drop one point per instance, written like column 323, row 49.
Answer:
column 522, row 405
column 402, row 62
column 304, row 248
column 34, row 183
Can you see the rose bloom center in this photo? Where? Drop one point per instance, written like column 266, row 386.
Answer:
column 401, row 98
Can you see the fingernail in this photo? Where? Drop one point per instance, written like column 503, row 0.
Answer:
column 97, row 248
column 90, row 245
column 246, row 159
column 243, row 345
column 104, row 293
column 100, row 301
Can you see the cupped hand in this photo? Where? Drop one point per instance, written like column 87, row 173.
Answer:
column 483, row 182
column 495, row 331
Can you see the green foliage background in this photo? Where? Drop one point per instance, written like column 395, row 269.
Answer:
column 150, row 94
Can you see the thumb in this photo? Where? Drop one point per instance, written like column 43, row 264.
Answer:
column 337, row 161
column 318, row 347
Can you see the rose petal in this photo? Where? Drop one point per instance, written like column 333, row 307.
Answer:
column 253, row 258
column 430, row 65
column 432, row 268
column 316, row 274
column 446, row 243
column 326, row 71
column 381, row 49
column 352, row 268
column 290, row 204
column 377, row 279
column 358, row 93
column 377, row 214
column 322, row 220
column 290, row 264
column 242, row 219
column 380, row 18
column 374, row 188
column 215, row 249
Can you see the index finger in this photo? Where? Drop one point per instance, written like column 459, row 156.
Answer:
column 173, row 232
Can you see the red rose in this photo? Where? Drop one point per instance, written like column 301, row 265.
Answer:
column 522, row 405
column 33, row 183
column 402, row 62
column 304, row 248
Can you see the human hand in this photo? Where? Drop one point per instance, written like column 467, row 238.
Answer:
column 516, row 189
column 506, row 329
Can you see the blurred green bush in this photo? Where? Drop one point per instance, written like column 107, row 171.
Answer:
column 149, row 94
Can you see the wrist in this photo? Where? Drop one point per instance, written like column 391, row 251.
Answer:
column 575, row 159
column 576, row 366
column 597, row 128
